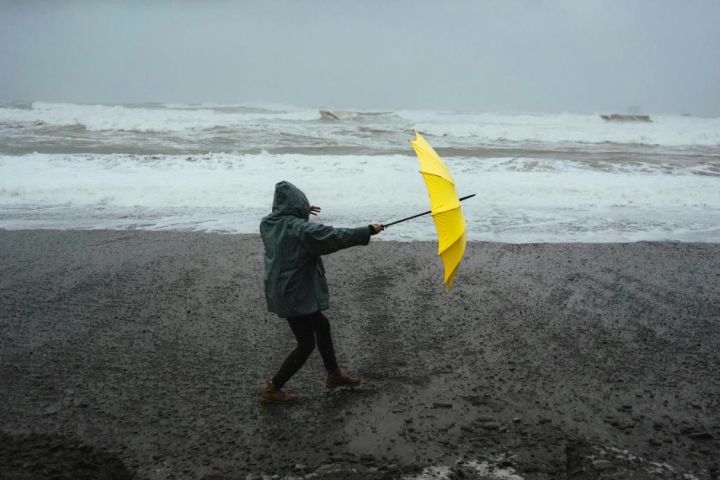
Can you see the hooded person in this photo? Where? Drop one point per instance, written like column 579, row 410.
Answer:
column 295, row 285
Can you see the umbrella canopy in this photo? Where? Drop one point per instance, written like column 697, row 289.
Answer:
column 444, row 206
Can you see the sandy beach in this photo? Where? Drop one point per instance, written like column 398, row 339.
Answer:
column 545, row 361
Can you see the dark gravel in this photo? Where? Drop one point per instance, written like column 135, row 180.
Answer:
column 544, row 361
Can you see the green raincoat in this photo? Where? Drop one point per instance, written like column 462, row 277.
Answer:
column 294, row 274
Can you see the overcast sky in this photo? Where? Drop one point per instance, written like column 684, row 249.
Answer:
column 501, row 55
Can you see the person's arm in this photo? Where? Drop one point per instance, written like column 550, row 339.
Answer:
column 322, row 239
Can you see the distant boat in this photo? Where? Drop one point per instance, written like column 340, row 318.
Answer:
column 621, row 117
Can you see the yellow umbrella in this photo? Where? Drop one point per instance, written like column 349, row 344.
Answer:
column 444, row 206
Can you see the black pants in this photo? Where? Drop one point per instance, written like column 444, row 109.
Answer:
column 307, row 329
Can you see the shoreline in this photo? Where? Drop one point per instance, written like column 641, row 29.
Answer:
column 153, row 346
column 709, row 236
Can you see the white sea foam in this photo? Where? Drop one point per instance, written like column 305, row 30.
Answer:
column 517, row 201
column 447, row 128
column 536, row 176
column 230, row 180
column 664, row 130
column 145, row 119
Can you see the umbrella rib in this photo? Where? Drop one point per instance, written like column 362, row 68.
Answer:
column 451, row 180
column 446, row 210
column 452, row 274
column 440, row 252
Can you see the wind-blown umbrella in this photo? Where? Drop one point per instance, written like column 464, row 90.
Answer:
column 444, row 206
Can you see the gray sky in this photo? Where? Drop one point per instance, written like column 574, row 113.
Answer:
column 501, row 55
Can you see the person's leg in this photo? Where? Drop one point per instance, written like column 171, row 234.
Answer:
column 336, row 377
column 302, row 328
column 321, row 326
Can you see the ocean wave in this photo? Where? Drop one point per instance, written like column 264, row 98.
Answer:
column 371, row 129
column 705, row 134
column 517, row 200
column 637, row 168
column 146, row 118
column 664, row 130
column 226, row 180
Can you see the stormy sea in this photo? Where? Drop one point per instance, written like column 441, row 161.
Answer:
column 211, row 168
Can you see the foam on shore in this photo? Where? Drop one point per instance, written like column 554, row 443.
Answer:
column 518, row 200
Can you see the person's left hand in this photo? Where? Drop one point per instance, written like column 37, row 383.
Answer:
column 314, row 209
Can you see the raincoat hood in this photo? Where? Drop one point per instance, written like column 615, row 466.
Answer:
column 290, row 200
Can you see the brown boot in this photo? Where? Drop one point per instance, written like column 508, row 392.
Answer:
column 338, row 378
column 270, row 394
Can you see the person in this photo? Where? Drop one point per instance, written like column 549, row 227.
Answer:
column 295, row 285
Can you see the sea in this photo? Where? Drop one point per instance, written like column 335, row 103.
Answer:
column 537, row 177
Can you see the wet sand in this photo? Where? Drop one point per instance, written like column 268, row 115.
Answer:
column 544, row 361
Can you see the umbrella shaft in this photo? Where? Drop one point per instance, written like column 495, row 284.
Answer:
column 421, row 214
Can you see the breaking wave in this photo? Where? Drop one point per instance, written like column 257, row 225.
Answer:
column 146, row 118
column 454, row 129
column 518, row 201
